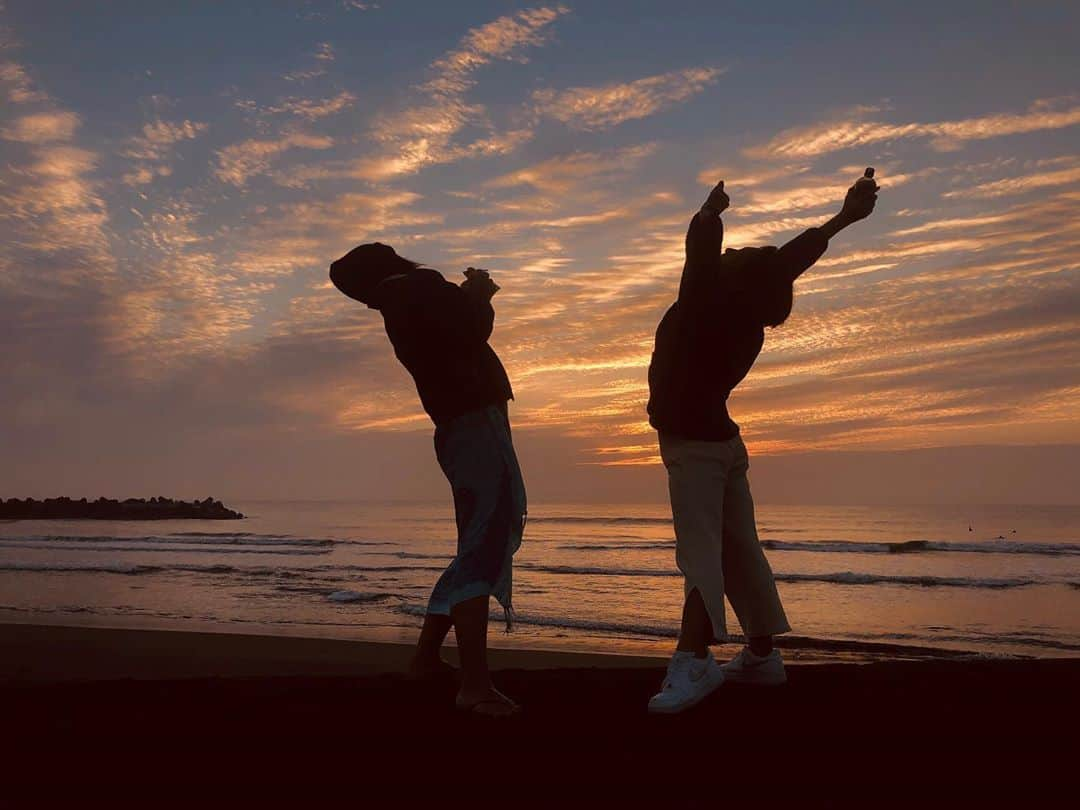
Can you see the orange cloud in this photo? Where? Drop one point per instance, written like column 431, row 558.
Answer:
column 821, row 139
column 241, row 161
column 499, row 39
column 423, row 135
column 43, row 127
column 1020, row 185
column 57, row 204
column 561, row 174
column 312, row 109
column 20, row 87
column 159, row 136
column 606, row 106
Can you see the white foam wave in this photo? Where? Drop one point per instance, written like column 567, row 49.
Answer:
column 839, row 577
column 862, row 547
column 356, row 596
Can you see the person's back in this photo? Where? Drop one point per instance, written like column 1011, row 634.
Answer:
column 439, row 333
column 710, row 337
column 699, row 357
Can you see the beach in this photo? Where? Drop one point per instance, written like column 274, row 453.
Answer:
column 111, row 712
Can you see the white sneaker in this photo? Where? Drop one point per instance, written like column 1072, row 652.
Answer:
column 758, row 670
column 689, row 681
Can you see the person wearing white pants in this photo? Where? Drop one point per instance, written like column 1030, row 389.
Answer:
column 706, row 344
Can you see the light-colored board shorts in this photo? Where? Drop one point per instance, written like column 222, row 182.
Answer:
column 716, row 540
column 477, row 455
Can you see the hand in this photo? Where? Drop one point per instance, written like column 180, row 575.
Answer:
column 718, row 199
column 860, row 200
column 478, row 282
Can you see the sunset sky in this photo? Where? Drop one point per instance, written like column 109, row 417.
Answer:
column 175, row 179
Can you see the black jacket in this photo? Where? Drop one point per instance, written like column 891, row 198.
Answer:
column 710, row 337
column 440, row 333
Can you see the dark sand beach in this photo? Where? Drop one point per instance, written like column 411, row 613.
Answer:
column 115, row 712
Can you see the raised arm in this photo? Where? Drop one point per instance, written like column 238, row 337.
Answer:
column 704, row 245
column 465, row 312
column 800, row 254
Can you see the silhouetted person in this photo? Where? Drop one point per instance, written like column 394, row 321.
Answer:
column 439, row 332
column 705, row 345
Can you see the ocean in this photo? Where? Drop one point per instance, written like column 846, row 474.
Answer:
column 857, row 582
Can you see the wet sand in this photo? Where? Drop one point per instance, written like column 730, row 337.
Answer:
column 114, row 714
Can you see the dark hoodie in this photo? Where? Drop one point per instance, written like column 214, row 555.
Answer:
column 710, row 337
column 439, row 333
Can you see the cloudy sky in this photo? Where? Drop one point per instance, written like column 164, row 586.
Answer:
column 174, row 184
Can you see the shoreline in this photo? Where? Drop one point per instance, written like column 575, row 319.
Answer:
column 28, row 655
column 225, row 648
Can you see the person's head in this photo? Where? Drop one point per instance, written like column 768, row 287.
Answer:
column 364, row 268
column 775, row 303
column 772, row 297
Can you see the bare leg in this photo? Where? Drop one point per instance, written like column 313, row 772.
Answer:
column 427, row 660
column 470, row 625
column 697, row 630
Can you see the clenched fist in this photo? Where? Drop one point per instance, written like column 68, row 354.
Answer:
column 861, row 198
column 478, row 282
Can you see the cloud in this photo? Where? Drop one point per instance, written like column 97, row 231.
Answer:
column 911, row 348
column 881, row 358
column 241, row 161
column 312, row 109
column 50, row 204
column 606, row 106
column 1011, row 186
column 821, row 139
column 954, row 223
column 20, row 88
column 409, row 159
column 324, row 54
column 143, row 175
column 814, row 191
column 203, row 308
column 500, row 39
column 312, row 233
column 158, row 137
column 43, row 127
column 424, row 134
column 565, row 172
column 185, row 302
column 741, row 234
column 743, row 178
column 55, row 263
column 54, row 203
column 152, row 148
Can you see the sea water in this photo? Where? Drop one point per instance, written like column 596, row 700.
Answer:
column 856, row 581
